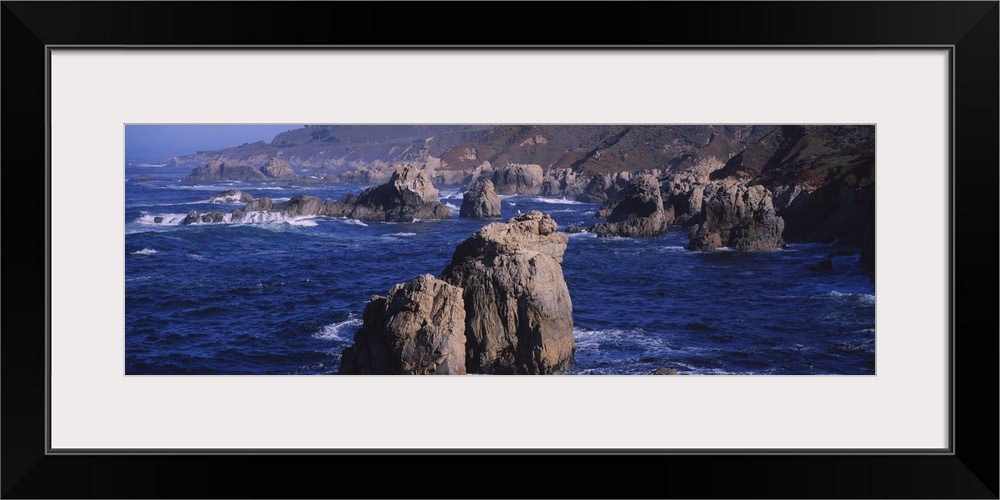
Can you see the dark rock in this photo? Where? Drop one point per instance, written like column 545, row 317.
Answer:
column 408, row 195
column 158, row 219
column 480, row 201
column 576, row 229
column 418, row 329
column 300, row 206
column 638, row 211
column 193, row 217
column 604, row 187
column 519, row 317
column 142, row 178
column 262, row 204
column 665, row 371
column 740, row 217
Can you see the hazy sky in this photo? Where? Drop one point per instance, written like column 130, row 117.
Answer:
column 158, row 142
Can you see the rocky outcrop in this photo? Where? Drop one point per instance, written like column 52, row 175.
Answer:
column 407, row 195
column 519, row 317
column 220, row 171
column 518, row 178
column 563, row 182
column 418, row 329
column 276, row 168
column 480, row 201
column 638, row 211
column 739, row 217
column 231, row 196
column 603, row 187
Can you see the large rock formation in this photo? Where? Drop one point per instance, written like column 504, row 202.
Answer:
column 418, row 329
column 638, row 211
column 603, row 187
column 276, row 168
column 220, row 171
column 480, row 201
column 563, row 182
column 519, row 317
column 518, row 178
column 739, row 217
column 408, row 195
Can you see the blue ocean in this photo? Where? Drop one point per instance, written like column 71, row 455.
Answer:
column 286, row 296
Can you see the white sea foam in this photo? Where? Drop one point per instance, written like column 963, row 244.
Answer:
column 864, row 298
column 165, row 219
column 233, row 198
column 557, row 201
column 353, row 222
column 402, row 235
column 145, row 251
column 450, row 206
column 302, row 222
column 339, row 331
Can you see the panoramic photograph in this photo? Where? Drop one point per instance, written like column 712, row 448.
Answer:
column 411, row 249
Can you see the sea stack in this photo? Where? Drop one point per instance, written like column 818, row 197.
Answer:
column 480, row 201
column 739, row 217
column 638, row 211
column 519, row 317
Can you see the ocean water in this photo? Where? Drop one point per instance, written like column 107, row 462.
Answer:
column 286, row 296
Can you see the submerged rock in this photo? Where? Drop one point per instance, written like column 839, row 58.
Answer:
column 418, row 329
column 739, row 217
column 519, row 317
column 232, row 196
column 638, row 211
column 480, row 201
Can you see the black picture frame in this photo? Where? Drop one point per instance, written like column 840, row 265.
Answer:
column 969, row 471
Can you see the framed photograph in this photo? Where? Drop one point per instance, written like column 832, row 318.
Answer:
column 871, row 409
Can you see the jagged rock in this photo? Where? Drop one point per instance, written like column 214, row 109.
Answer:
column 563, row 182
column 740, row 217
column 518, row 178
column 638, row 211
column 418, row 329
column 576, row 229
column 193, row 217
column 784, row 196
column 604, row 187
column 143, row 178
column 232, row 196
column 262, row 204
column 276, row 168
column 221, row 171
column 519, row 317
column 408, row 195
column 480, row 201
